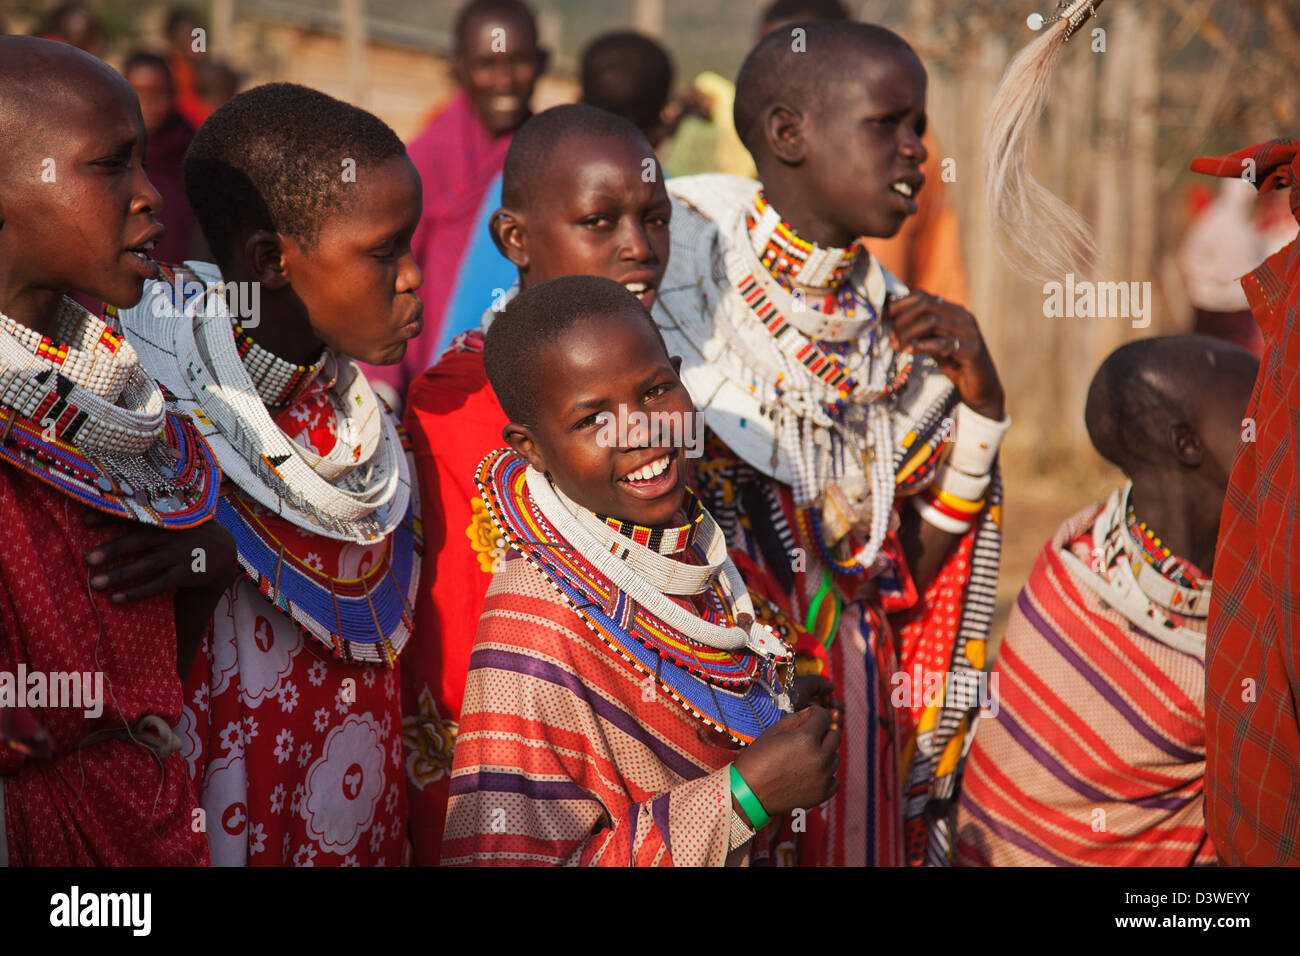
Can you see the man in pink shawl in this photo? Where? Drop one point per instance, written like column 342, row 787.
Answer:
column 459, row 156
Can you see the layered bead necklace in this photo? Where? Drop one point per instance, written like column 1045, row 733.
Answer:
column 807, row 430
column 1156, row 590
column 726, row 673
column 669, row 542
column 81, row 413
column 278, row 381
column 86, row 351
column 358, row 491
column 794, row 261
column 1159, row 557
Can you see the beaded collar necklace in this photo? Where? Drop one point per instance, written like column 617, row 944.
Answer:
column 724, row 674
column 358, row 491
column 82, row 415
column 665, row 541
column 795, row 262
column 1137, row 588
column 279, row 382
column 785, row 254
column 787, row 257
column 91, row 358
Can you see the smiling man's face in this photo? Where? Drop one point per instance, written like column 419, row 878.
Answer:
column 498, row 63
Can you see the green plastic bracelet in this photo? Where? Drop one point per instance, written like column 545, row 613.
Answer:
column 825, row 592
column 748, row 801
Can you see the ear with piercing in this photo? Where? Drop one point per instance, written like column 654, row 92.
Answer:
column 1076, row 12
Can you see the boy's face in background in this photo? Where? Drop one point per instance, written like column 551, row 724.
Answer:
column 358, row 281
column 78, row 209
column 862, row 137
column 599, row 369
column 498, row 63
column 593, row 212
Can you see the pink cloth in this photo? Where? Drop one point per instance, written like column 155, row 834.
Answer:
column 457, row 159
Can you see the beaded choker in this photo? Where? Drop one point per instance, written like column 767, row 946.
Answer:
column 91, row 360
column 278, row 382
column 665, row 541
column 784, row 254
column 1135, row 586
column 83, row 416
column 1160, row 557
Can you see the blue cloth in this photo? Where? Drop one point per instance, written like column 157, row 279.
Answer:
column 484, row 275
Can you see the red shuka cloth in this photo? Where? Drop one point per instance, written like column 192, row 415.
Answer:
column 454, row 420
column 1252, row 786
column 110, row 803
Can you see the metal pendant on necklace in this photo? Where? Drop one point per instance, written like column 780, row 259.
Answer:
column 845, row 508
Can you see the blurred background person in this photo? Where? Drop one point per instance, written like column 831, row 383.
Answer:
column 77, row 24
column 631, row 75
column 169, row 136
column 1228, row 237
column 459, row 155
column 185, row 58
column 218, row 82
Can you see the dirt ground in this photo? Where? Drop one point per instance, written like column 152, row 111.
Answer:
column 1041, row 491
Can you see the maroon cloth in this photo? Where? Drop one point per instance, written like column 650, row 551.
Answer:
column 106, row 803
column 165, row 161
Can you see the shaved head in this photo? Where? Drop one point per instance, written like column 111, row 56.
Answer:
column 1146, row 391
column 39, row 79
column 797, row 69
column 532, row 152
column 76, row 207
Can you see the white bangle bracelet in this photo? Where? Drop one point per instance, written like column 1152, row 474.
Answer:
column 932, row 515
column 976, row 440
column 959, row 485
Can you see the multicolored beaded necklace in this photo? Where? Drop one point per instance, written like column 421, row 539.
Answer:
column 1160, row 557
column 727, row 690
column 86, row 352
column 669, row 542
column 82, row 415
column 792, row 260
column 818, row 357
column 278, row 382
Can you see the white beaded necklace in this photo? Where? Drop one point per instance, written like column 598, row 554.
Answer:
column 106, row 405
column 278, row 381
column 358, row 492
column 804, row 427
column 84, row 349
